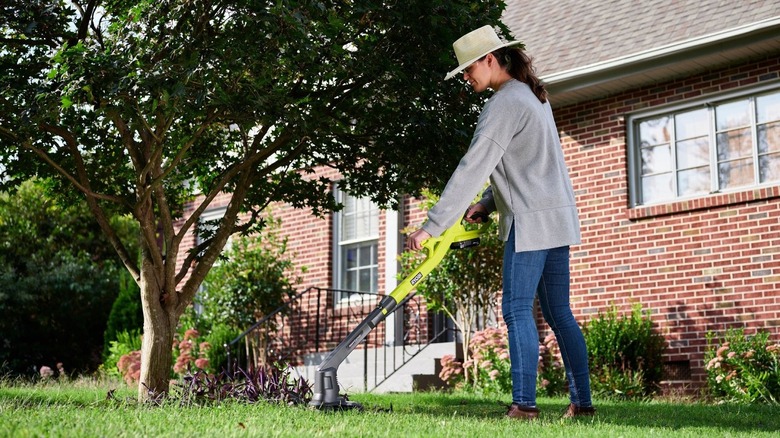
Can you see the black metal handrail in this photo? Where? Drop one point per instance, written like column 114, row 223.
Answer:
column 315, row 321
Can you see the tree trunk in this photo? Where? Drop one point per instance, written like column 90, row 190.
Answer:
column 157, row 346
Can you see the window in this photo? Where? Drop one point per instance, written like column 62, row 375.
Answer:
column 356, row 245
column 713, row 146
column 208, row 223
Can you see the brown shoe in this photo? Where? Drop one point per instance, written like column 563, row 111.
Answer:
column 522, row 412
column 576, row 411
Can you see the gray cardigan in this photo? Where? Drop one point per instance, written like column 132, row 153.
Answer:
column 516, row 145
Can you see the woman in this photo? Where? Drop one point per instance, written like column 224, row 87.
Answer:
column 516, row 145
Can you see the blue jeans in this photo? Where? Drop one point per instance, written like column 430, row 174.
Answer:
column 544, row 273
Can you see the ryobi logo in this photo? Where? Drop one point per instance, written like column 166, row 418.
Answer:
column 416, row 278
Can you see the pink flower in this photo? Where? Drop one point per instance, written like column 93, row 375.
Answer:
column 185, row 346
column 494, row 374
column 46, row 372
column 202, row 363
column 191, row 334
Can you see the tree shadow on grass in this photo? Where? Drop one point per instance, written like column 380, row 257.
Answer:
column 644, row 415
column 726, row 417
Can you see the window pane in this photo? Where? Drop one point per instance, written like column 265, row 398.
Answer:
column 351, row 280
column 359, row 219
column 735, row 173
column 768, row 108
column 657, row 188
column 770, row 167
column 350, row 258
column 365, row 280
column 734, row 144
column 694, row 181
column 732, row 115
column 769, row 138
column 365, row 256
column 655, row 131
column 691, row 124
column 656, row 159
column 694, row 152
column 348, row 227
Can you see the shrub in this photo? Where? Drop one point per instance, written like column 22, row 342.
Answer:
column 489, row 362
column 219, row 335
column 452, row 371
column 125, row 343
column 551, row 376
column 490, row 370
column 129, row 367
column 276, row 383
column 126, row 314
column 190, row 353
column 625, row 354
column 743, row 368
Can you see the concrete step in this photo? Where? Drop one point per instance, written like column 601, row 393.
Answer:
column 380, row 363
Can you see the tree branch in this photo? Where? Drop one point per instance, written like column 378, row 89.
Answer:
column 227, row 176
column 90, row 195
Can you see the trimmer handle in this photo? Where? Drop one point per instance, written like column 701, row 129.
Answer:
column 480, row 215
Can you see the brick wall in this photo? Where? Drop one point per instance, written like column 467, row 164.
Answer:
column 699, row 266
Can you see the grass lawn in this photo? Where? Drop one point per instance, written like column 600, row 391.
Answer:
column 81, row 409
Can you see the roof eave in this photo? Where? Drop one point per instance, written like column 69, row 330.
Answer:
column 664, row 63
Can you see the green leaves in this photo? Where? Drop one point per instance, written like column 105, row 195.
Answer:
column 625, row 354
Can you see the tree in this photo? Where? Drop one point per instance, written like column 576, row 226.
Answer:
column 140, row 105
column 465, row 284
column 58, row 278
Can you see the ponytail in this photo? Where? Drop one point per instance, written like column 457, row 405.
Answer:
column 518, row 65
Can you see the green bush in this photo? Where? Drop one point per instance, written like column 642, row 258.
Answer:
column 126, row 341
column 488, row 369
column 219, row 335
column 551, row 376
column 126, row 313
column 625, row 354
column 743, row 368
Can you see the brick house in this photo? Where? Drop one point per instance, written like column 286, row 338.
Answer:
column 669, row 115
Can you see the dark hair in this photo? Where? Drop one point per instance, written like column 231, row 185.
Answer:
column 518, row 65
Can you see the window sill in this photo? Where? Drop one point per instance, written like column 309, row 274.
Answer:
column 715, row 200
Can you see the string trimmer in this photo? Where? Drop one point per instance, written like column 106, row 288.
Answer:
column 326, row 387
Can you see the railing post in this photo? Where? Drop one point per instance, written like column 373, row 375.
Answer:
column 317, row 324
column 227, row 351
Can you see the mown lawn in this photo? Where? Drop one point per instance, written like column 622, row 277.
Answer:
column 81, row 409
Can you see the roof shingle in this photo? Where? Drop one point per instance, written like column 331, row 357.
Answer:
column 567, row 34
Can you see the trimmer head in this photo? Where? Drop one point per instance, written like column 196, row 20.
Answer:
column 342, row 404
column 326, row 393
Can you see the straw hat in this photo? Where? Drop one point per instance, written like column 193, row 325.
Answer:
column 474, row 45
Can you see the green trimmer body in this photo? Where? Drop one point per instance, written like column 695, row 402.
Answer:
column 326, row 387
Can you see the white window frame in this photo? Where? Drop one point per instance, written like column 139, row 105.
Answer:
column 208, row 215
column 709, row 103
column 339, row 244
